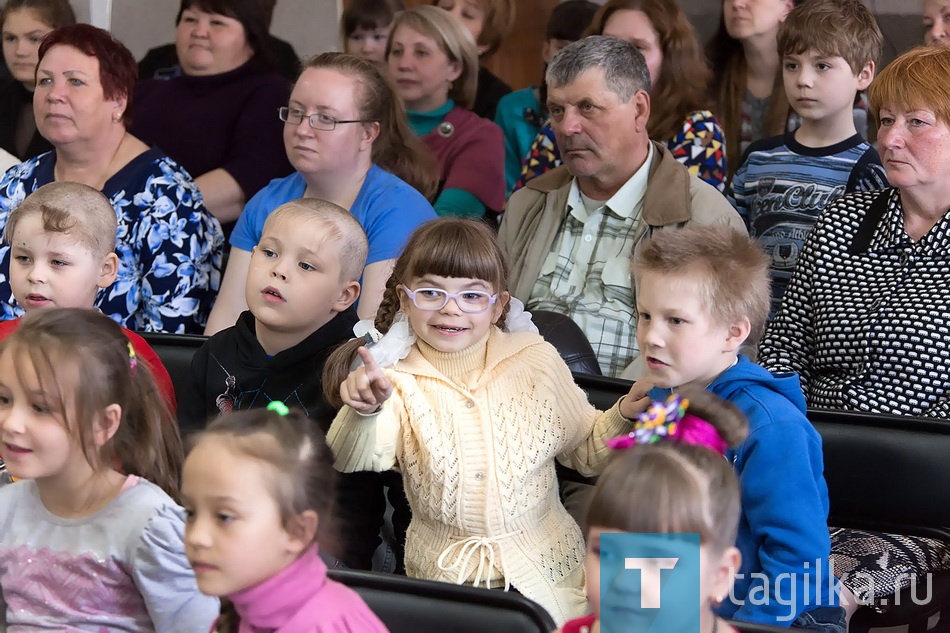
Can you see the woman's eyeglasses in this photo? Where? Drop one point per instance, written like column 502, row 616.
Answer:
column 318, row 120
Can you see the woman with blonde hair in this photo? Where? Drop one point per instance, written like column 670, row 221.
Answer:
column 433, row 60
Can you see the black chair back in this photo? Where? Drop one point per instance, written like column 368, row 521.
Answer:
column 407, row 605
column 569, row 340
column 176, row 352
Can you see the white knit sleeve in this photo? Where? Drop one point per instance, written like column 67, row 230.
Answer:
column 366, row 442
column 590, row 454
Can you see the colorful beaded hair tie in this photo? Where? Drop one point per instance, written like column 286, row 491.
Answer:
column 670, row 421
column 133, row 360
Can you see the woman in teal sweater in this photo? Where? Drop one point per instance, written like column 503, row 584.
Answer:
column 434, row 63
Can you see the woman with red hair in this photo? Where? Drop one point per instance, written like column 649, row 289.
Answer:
column 169, row 246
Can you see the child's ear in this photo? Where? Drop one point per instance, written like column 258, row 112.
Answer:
column 107, row 425
column 866, row 76
column 724, row 573
column 302, row 530
column 404, row 300
column 737, row 334
column 348, row 295
column 109, row 271
column 500, row 303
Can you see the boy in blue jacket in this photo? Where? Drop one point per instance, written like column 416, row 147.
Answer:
column 702, row 293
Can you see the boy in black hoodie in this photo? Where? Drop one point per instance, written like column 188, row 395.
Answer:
column 301, row 286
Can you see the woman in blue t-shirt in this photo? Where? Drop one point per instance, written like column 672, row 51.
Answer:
column 346, row 135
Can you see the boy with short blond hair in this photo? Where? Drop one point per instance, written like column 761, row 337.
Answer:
column 702, row 292
column 62, row 241
column 829, row 49
column 302, row 284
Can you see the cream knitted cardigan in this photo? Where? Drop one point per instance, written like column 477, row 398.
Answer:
column 477, row 458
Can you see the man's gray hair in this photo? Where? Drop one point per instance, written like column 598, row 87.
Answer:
column 625, row 69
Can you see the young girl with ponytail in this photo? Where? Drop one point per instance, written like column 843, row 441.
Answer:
column 92, row 532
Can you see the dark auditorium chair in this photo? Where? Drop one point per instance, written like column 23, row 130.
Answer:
column 407, row 605
column 176, row 351
column 889, row 474
column 569, row 340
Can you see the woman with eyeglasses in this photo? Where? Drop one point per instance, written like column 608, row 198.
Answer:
column 217, row 117
column 346, row 136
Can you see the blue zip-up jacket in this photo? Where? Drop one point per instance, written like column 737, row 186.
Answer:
column 783, row 528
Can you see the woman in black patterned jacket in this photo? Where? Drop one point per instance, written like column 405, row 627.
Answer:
column 866, row 318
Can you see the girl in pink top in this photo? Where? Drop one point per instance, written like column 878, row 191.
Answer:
column 257, row 489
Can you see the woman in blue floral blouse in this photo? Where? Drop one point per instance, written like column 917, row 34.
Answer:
column 169, row 246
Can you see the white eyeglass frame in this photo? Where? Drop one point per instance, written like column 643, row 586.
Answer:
column 451, row 295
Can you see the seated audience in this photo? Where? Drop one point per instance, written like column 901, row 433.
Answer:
column 678, row 84
column 258, row 488
column 365, row 28
column 62, row 255
column 217, row 118
column 489, row 22
column 935, row 17
column 301, row 286
column 474, row 407
column 675, row 451
column 169, row 246
column 864, row 318
column 570, row 233
column 24, row 24
column 702, row 292
column 747, row 88
column 433, row 62
column 521, row 113
column 829, row 50
column 346, row 136
column 162, row 61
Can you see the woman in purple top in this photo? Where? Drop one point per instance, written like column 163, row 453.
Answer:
column 218, row 117
column 258, row 488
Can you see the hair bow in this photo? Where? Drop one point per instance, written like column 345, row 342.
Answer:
column 133, row 359
column 670, row 421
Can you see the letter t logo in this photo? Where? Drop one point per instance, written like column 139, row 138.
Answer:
column 650, row 578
